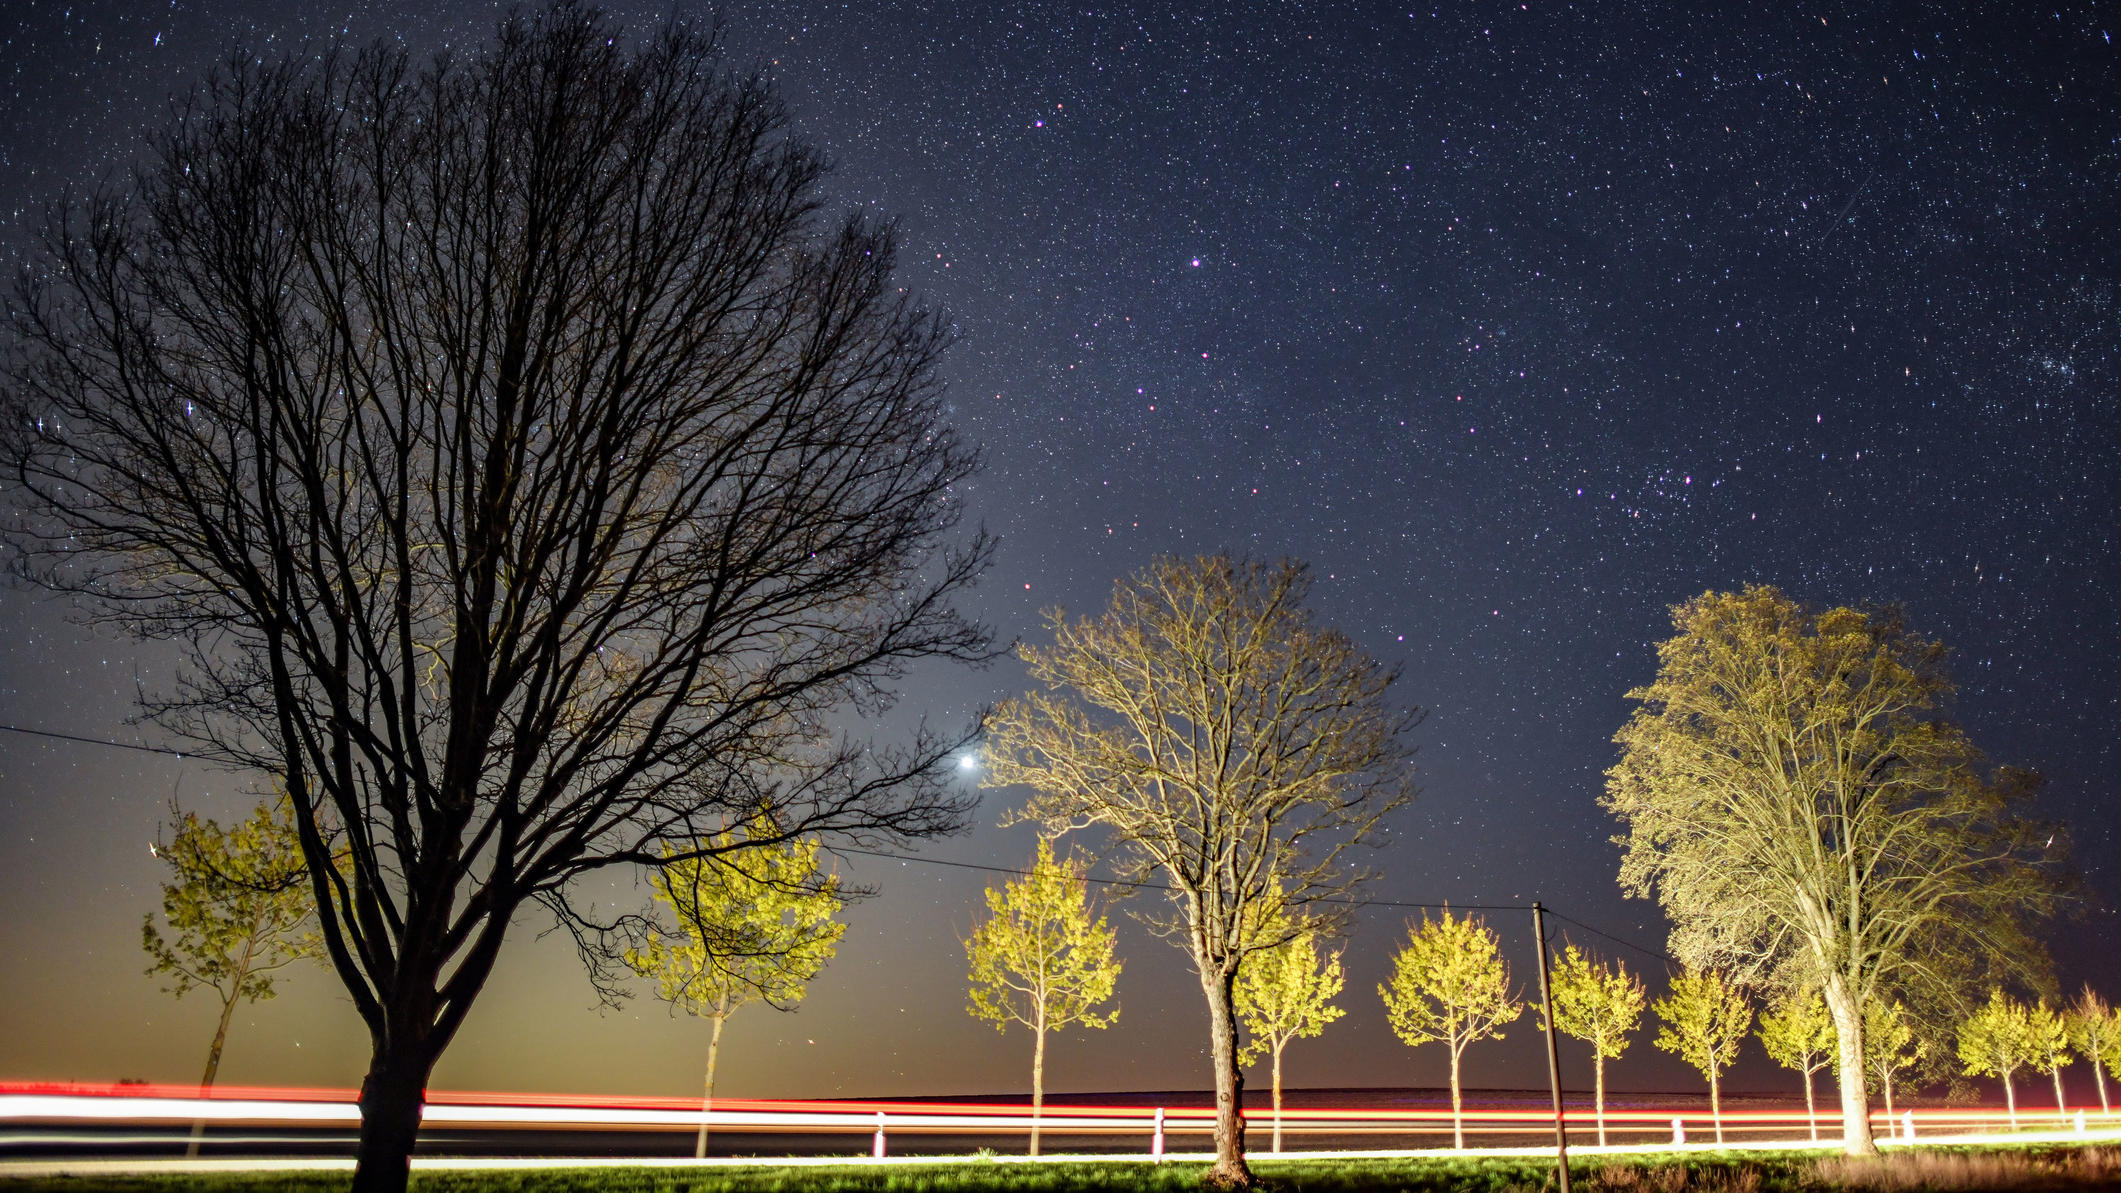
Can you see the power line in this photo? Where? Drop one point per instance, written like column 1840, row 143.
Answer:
column 1659, row 953
column 96, row 741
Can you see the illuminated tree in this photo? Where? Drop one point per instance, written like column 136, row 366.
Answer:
column 751, row 925
column 2048, row 1030
column 1889, row 1045
column 1997, row 1041
column 1705, row 1020
column 534, row 477
column 1449, row 986
column 1044, row 959
column 1227, row 742
column 1285, row 993
column 237, row 911
column 2095, row 1032
column 1599, row 1004
column 1798, row 1034
column 1806, row 818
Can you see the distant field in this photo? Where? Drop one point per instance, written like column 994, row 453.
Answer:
column 2028, row 1167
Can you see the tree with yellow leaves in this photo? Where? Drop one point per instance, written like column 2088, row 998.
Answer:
column 2095, row 1032
column 1043, row 959
column 1450, row 986
column 2048, row 1030
column 753, row 924
column 1705, row 1020
column 1889, row 1045
column 1601, row 1005
column 1997, row 1041
column 1286, row 993
column 1798, row 1033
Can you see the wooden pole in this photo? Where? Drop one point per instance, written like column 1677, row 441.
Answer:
column 1546, row 1000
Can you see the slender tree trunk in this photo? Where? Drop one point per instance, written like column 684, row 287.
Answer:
column 1811, row 1106
column 2010, row 1099
column 1598, row 1080
column 213, row 1060
column 2099, row 1075
column 1885, row 1083
column 392, row 1096
column 1038, row 1078
column 1848, row 1070
column 2060, row 1106
column 1716, row 1101
column 1277, row 1096
column 714, row 1048
column 1458, row 1109
column 1230, row 1171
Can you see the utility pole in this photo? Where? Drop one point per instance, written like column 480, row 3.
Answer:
column 1546, row 1002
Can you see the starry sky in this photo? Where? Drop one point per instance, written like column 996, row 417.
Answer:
column 1519, row 322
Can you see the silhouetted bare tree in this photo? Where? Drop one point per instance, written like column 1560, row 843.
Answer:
column 530, row 471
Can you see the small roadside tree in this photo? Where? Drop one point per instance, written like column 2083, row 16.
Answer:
column 1601, row 1005
column 1228, row 743
column 2048, row 1029
column 2095, row 1032
column 1996, row 1041
column 1705, row 1020
column 1889, row 1045
column 1806, row 816
column 1450, row 986
column 1798, row 1034
column 1285, row 993
column 750, row 925
column 237, row 911
column 1045, row 959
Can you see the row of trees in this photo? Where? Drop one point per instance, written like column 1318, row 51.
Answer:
column 533, row 479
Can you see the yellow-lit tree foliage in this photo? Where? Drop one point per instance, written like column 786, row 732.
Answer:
column 1043, row 958
column 1286, row 993
column 1450, row 986
column 1599, row 1004
column 1798, row 1034
column 1806, row 817
column 1227, row 743
column 753, row 924
column 1997, row 1041
column 1705, row 1020
column 2048, row 1030
column 1889, row 1045
column 2095, row 1032
column 237, row 910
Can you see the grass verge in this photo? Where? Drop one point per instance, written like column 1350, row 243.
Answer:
column 2030, row 1167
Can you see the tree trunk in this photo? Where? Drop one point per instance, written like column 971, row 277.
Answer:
column 1598, row 1081
column 2099, row 1075
column 1230, row 1171
column 1277, row 1097
column 1458, row 1121
column 1038, row 1079
column 1848, row 1070
column 2010, row 1099
column 1885, row 1083
column 714, row 1048
column 213, row 1067
column 392, row 1096
column 2060, row 1108
column 1716, row 1101
column 1811, row 1106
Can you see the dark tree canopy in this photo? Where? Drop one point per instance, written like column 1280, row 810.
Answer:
column 530, row 470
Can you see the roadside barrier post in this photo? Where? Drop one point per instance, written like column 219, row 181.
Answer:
column 1907, row 1126
column 2080, row 1122
column 1156, row 1141
column 877, row 1149
column 1678, row 1131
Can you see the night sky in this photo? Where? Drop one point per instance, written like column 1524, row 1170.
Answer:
column 1519, row 322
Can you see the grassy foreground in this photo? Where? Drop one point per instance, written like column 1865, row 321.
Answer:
column 2028, row 1167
